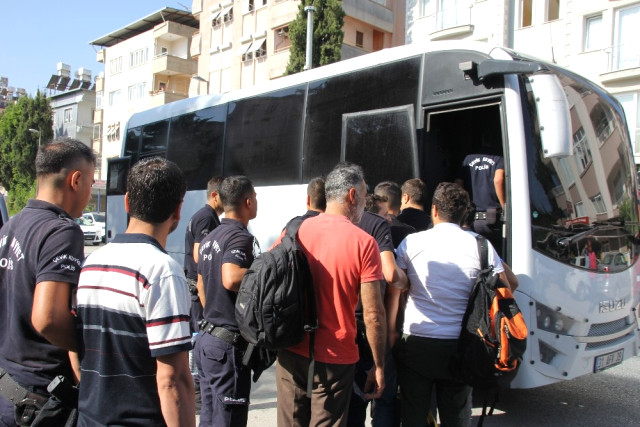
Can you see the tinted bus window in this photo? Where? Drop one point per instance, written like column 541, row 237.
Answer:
column 132, row 142
column 154, row 137
column 263, row 137
column 367, row 140
column 195, row 144
column 389, row 85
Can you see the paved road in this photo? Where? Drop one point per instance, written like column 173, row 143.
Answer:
column 610, row 398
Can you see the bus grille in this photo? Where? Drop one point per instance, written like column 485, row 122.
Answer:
column 595, row 345
column 600, row 329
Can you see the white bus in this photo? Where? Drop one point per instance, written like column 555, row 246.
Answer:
column 416, row 111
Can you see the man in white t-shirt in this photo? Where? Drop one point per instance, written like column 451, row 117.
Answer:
column 442, row 264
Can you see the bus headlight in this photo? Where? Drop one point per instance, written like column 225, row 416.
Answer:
column 552, row 320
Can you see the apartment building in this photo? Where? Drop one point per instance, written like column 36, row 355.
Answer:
column 242, row 43
column 147, row 63
column 595, row 38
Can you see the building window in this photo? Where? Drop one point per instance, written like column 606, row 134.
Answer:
column 631, row 106
column 425, row 9
column 137, row 91
column 255, row 50
column 113, row 132
column 251, row 5
column 115, row 65
column 138, row 57
column 526, row 13
column 99, row 100
column 582, row 151
column 598, row 203
column 626, row 48
column 580, row 212
column 114, row 98
column 281, row 39
column 552, row 11
column 67, row 115
column 222, row 15
column 593, row 34
column 602, row 119
column 359, row 39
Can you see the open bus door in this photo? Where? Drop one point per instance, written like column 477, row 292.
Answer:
column 117, row 172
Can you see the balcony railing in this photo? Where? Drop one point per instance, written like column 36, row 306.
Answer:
column 624, row 56
column 453, row 17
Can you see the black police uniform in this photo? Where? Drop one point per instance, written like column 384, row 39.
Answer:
column 201, row 223
column 41, row 243
column 225, row 383
column 478, row 171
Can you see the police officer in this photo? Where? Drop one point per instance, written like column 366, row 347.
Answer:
column 483, row 177
column 201, row 223
column 41, row 251
column 224, row 256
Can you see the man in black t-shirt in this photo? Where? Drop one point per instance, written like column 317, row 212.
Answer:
column 224, row 256
column 378, row 227
column 413, row 202
column 41, row 252
column 393, row 194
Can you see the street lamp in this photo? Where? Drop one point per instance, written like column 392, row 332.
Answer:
column 39, row 136
column 200, row 80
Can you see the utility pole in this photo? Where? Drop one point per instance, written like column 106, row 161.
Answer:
column 310, row 10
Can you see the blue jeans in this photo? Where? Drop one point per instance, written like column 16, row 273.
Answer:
column 225, row 383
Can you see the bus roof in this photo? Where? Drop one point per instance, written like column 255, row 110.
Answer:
column 188, row 105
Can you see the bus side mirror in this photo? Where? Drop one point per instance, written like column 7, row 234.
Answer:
column 554, row 119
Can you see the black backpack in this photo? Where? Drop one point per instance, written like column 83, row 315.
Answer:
column 276, row 303
column 493, row 336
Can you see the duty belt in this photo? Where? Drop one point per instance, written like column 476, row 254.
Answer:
column 483, row 215
column 225, row 335
column 17, row 394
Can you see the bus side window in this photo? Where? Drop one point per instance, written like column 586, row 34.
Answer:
column 379, row 139
column 263, row 139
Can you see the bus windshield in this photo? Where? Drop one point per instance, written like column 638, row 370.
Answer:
column 584, row 206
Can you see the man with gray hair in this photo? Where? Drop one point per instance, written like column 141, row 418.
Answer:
column 344, row 261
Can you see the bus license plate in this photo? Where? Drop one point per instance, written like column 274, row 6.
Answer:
column 608, row 360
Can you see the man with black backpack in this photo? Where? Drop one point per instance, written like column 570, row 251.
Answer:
column 441, row 264
column 343, row 260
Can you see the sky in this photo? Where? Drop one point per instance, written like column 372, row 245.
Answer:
column 36, row 35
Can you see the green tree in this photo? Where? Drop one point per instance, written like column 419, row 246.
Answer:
column 328, row 21
column 18, row 146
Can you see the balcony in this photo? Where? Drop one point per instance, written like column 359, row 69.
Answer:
column 169, row 65
column 623, row 63
column 98, row 116
column 171, row 31
column 196, row 45
column 451, row 23
column 372, row 13
column 162, row 97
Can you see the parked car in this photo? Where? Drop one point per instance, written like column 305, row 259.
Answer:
column 613, row 261
column 92, row 232
column 4, row 213
column 98, row 218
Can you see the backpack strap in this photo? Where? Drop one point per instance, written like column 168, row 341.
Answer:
column 311, row 323
column 483, row 251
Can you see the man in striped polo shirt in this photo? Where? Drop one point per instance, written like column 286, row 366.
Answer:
column 133, row 306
